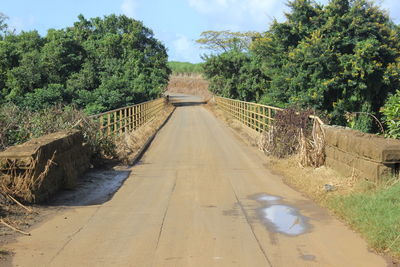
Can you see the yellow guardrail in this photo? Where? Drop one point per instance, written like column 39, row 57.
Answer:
column 129, row 118
column 256, row 116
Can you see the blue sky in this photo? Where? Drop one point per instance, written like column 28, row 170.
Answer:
column 177, row 23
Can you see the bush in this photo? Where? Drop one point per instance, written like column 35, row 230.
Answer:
column 18, row 125
column 43, row 98
column 391, row 112
column 283, row 137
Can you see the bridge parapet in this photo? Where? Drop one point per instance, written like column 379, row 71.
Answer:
column 353, row 153
column 35, row 170
column 350, row 152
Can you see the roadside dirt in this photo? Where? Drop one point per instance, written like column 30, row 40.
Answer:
column 193, row 84
column 199, row 197
column 97, row 186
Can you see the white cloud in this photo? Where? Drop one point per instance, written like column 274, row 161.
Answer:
column 184, row 49
column 241, row 14
column 128, row 7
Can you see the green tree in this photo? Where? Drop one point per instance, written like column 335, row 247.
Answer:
column 98, row 64
column 3, row 24
column 338, row 58
column 224, row 41
column 42, row 98
column 60, row 56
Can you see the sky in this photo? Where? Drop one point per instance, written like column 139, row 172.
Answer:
column 177, row 23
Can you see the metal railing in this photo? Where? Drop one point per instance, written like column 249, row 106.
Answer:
column 256, row 116
column 118, row 121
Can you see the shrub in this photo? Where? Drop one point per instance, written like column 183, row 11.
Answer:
column 18, row 125
column 43, row 98
column 284, row 135
column 391, row 112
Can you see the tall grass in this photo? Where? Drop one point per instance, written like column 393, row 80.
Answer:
column 185, row 67
column 375, row 214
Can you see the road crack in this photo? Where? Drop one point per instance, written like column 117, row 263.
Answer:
column 165, row 213
column 70, row 237
column 250, row 225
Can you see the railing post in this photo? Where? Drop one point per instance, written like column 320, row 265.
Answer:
column 134, row 117
column 140, row 115
column 101, row 125
column 241, row 112
column 126, row 120
column 108, row 124
column 120, row 121
column 269, row 117
column 258, row 118
column 130, row 119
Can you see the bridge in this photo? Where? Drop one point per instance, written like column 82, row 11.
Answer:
column 198, row 197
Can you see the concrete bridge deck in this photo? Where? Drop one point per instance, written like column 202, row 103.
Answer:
column 199, row 197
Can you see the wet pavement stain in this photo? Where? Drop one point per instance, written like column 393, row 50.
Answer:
column 279, row 217
column 266, row 198
column 308, row 257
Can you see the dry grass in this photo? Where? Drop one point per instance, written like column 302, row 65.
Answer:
column 129, row 144
column 293, row 169
column 24, row 184
column 193, row 84
column 311, row 181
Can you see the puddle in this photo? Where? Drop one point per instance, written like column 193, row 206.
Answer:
column 284, row 219
column 279, row 217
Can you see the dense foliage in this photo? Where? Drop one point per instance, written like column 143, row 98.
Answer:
column 342, row 57
column 97, row 64
column 178, row 67
column 391, row 112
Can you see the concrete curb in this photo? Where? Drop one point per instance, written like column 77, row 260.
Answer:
column 146, row 145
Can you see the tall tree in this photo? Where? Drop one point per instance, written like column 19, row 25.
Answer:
column 224, row 41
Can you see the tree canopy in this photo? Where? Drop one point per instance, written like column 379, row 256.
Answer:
column 224, row 41
column 338, row 58
column 96, row 64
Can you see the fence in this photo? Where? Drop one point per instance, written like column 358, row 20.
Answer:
column 256, row 116
column 130, row 118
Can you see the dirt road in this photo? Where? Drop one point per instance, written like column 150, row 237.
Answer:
column 199, row 197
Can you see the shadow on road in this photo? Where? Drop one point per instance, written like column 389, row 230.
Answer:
column 186, row 100
column 187, row 104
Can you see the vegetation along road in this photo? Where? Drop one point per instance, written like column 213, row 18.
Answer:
column 199, row 197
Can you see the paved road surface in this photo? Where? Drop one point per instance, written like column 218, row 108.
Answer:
column 200, row 197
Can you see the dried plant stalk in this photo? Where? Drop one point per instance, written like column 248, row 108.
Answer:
column 311, row 151
column 23, row 184
column 13, row 228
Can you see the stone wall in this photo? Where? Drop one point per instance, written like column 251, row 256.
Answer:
column 35, row 170
column 363, row 155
